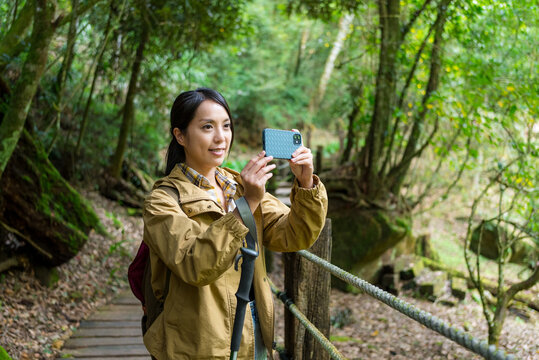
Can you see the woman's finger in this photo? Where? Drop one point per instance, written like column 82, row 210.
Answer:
column 261, row 163
column 301, row 150
column 254, row 160
column 301, row 157
column 267, row 169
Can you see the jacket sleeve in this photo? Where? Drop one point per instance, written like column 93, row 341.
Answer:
column 297, row 227
column 197, row 257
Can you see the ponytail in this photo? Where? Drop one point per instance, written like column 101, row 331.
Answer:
column 175, row 154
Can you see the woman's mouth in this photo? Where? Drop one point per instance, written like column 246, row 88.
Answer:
column 218, row 152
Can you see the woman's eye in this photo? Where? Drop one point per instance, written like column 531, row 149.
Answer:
column 227, row 125
column 206, row 127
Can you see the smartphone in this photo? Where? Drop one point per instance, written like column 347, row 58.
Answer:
column 280, row 144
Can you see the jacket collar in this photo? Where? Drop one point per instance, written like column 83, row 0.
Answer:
column 190, row 192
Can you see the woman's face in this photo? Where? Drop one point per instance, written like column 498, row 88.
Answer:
column 207, row 138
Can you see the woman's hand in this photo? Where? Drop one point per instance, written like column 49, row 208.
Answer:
column 255, row 175
column 302, row 166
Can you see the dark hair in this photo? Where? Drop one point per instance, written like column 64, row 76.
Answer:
column 182, row 112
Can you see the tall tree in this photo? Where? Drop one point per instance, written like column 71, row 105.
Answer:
column 344, row 27
column 13, row 122
column 195, row 24
column 128, row 113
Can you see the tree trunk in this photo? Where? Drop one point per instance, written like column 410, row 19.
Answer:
column 12, row 43
column 371, row 154
column 62, row 76
column 99, row 57
column 25, row 89
column 357, row 96
column 41, row 208
column 301, row 48
column 344, row 28
column 397, row 174
column 129, row 107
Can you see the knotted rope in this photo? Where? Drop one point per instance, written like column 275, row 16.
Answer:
column 432, row 322
column 289, row 304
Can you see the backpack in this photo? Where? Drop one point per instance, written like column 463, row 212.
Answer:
column 139, row 275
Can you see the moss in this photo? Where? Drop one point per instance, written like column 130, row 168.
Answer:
column 61, row 211
column 336, row 338
column 57, row 197
column 3, row 354
column 360, row 237
column 28, row 179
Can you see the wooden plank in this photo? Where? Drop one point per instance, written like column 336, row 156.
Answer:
column 126, row 299
column 122, row 308
column 81, row 342
column 134, row 357
column 115, row 316
column 109, row 324
column 99, row 332
column 107, row 350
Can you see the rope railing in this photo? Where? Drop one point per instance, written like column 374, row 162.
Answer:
column 432, row 322
column 309, row 326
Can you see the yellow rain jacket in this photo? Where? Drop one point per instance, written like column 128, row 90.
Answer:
column 198, row 241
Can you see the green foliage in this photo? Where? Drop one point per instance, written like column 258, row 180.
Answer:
column 236, row 165
column 3, row 354
column 341, row 318
column 117, row 223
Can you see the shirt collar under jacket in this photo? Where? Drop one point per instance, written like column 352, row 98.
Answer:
column 199, row 180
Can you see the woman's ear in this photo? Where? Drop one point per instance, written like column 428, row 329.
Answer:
column 178, row 135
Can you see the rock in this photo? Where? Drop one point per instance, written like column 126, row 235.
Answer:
column 390, row 283
column 523, row 250
column 423, row 247
column 490, row 235
column 408, row 266
column 41, row 208
column 448, row 301
column 47, row 276
column 459, row 287
column 360, row 237
column 431, row 284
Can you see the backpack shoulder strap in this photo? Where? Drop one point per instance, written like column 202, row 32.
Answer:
column 173, row 193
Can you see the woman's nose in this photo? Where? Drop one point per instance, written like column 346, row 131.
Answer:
column 219, row 135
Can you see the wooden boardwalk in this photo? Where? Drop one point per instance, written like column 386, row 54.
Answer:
column 112, row 332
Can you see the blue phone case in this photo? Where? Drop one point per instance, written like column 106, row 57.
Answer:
column 280, row 143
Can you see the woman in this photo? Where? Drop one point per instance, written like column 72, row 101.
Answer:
column 199, row 237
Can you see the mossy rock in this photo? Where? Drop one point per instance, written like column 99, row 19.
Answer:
column 361, row 236
column 431, row 284
column 408, row 266
column 459, row 288
column 41, row 207
column 521, row 251
column 489, row 239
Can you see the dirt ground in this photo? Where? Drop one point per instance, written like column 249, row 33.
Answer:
column 36, row 320
column 376, row 331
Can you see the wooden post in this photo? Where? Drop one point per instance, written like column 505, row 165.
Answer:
column 309, row 287
column 318, row 160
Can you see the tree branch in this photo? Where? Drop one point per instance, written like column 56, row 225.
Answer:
column 406, row 28
column 397, row 172
column 451, row 186
column 524, row 285
column 414, row 66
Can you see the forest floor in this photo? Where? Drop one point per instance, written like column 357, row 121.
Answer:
column 36, row 320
